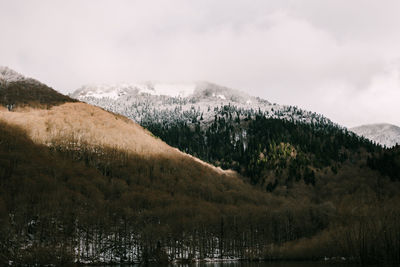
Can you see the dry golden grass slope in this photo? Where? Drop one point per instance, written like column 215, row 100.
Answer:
column 88, row 124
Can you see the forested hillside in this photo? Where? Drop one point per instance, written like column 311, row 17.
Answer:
column 61, row 204
column 270, row 145
column 270, row 152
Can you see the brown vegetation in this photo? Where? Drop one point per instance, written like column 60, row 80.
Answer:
column 30, row 93
column 81, row 123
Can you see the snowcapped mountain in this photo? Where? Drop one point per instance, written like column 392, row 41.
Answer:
column 382, row 133
column 185, row 102
column 176, row 90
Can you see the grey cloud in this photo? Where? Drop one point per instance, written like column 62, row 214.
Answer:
column 333, row 57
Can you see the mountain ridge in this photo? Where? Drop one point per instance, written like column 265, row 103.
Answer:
column 382, row 133
column 191, row 90
column 141, row 104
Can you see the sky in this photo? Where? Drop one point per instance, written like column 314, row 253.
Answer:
column 339, row 58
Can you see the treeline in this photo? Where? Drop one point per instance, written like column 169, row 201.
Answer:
column 368, row 235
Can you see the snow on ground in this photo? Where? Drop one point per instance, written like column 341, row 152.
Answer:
column 115, row 91
column 169, row 102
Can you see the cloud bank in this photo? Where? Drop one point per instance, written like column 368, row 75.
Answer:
column 339, row 58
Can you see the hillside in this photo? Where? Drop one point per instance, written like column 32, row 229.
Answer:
column 79, row 184
column 382, row 133
column 82, row 164
column 272, row 146
column 70, row 204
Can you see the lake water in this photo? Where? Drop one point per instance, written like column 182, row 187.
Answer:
column 259, row 264
column 254, row 264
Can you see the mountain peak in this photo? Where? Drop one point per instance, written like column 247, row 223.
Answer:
column 18, row 90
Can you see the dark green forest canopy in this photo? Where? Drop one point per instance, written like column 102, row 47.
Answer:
column 257, row 146
column 387, row 162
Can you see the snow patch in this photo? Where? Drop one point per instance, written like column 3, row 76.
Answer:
column 221, row 96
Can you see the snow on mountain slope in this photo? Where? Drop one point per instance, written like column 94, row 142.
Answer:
column 195, row 90
column 118, row 90
column 382, row 133
column 185, row 102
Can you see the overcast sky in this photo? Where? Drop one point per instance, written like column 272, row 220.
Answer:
column 338, row 58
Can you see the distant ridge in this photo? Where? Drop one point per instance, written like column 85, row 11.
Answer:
column 382, row 133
